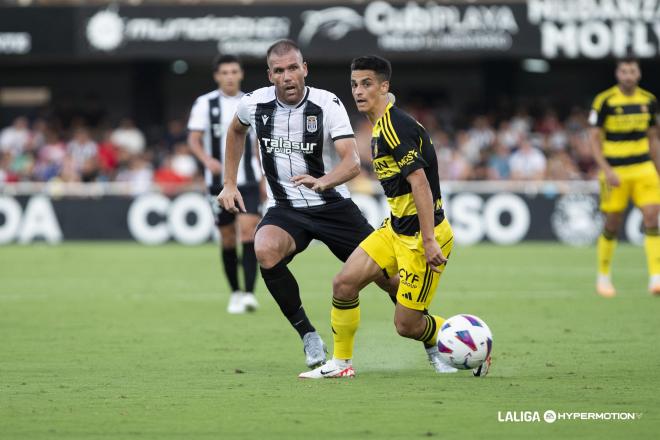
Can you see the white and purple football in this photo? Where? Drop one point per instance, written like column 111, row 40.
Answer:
column 464, row 341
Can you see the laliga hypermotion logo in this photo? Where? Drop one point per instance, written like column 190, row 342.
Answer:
column 105, row 30
column 333, row 23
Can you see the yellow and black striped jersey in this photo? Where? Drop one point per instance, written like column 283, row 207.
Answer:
column 625, row 120
column 399, row 146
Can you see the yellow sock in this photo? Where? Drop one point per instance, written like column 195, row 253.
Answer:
column 652, row 248
column 345, row 319
column 430, row 333
column 606, row 246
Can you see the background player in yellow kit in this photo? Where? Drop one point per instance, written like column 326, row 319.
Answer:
column 625, row 145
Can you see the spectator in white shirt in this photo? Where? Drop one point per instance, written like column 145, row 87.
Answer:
column 527, row 163
column 128, row 138
column 15, row 138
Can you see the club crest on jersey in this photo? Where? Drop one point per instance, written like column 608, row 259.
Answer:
column 312, row 124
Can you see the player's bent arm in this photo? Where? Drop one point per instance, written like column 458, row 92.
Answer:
column 347, row 168
column 423, row 197
column 654, row 145
column 234, row 147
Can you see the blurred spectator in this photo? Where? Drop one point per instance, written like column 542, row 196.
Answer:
column 480, row 171
column 507, row 135
column 527, row 163
column 50, row 157
column 139, row 174
column 15, row 138
column 561, row 167
column 459, row 168
column 108, row 157
column 498, row 164
column 522, row 122
column 179, row 169
column 83, row 152
column 128, row 138
column 176, row 133
column 38, row 135
column 583, row 155
column 6, row 174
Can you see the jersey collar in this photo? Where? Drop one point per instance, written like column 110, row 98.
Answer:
column 387, row 109
column 300, row 104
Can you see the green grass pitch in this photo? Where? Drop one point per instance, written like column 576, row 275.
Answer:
column 102, row 341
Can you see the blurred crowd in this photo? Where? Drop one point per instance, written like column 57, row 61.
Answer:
column 482, row 147
column 494, row 147
column 40, row 152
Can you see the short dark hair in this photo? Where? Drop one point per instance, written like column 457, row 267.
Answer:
column 281, row 47
column 627, row 60
column 225, row 59
column 380, row 65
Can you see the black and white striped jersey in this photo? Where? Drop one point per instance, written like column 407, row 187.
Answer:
column 291, row 141
column 212, row 113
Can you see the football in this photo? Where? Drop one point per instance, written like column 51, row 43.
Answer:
column 465, row 341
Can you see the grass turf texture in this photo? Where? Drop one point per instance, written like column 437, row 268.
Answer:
column 124, row 341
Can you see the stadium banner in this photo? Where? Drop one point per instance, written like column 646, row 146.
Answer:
column 503, row 213
column 574, row 29
column 37, row 32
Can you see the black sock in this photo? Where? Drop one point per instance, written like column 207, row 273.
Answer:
column 230, row 261
column 249, row 266
column 283, row 286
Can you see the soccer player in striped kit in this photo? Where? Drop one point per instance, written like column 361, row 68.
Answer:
column 306, row 200
column 209, row 120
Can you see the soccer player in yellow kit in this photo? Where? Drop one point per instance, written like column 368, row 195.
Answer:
column 625, row 145
column 414, row 242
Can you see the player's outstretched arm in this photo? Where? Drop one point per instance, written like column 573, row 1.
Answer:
column 423, row 197
column 347, row 168
column 230, row 198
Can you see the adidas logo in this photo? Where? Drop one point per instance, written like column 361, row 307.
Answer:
column 407, row 295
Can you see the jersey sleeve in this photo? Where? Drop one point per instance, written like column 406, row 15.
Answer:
column 199, row 115
column 404, row 139
column 244, row 110
column 338, row 124
column 598, row 112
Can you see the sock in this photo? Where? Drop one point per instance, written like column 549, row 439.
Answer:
column 606, row 245
column 230, row 262
column 284, row 288
column 249, row 264
column 652, row 248
column 430, row 333
column 345, row 319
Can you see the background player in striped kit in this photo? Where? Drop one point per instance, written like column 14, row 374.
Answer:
column 209, row 119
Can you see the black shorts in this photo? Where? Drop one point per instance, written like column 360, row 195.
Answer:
column 250, row 194
column 340, row 226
